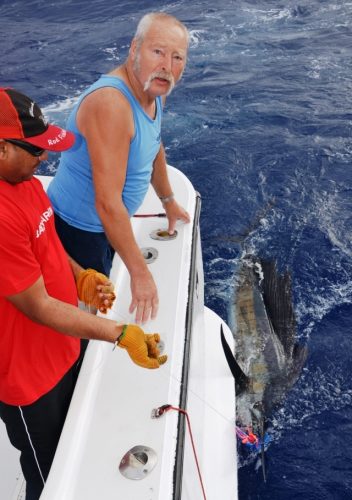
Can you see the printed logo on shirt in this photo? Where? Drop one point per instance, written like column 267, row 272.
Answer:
column 43, row 220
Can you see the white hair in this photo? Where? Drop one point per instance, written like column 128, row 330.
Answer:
column 147, row 20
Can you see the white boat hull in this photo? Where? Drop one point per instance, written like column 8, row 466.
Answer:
column 111, row 408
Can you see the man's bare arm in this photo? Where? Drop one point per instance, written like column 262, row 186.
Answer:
column 162, row 187
column 108, row 137
column 35, row 303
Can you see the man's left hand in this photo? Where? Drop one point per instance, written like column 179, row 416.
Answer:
column 95, row 289
column 175, row 212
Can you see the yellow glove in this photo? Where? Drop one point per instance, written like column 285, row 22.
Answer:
column 87, row 283
column 152, row 340
column 142, row 348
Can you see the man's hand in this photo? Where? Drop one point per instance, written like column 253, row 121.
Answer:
column 142, row 348
column 95, row 289
column 144, row 297
column 175, row 212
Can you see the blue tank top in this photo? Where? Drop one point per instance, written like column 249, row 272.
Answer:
column 72, row 191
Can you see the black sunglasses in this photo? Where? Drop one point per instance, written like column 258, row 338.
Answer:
column 33, row 150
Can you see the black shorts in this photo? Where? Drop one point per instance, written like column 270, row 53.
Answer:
column 35, row 430
column 90, row 250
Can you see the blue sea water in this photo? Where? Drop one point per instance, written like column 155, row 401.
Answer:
column 261, row 124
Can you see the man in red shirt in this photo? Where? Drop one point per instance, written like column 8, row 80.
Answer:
column 41, row 325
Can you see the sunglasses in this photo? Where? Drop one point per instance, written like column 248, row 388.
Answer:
column 33, row 150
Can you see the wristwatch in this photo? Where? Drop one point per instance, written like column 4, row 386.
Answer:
column 166, row 199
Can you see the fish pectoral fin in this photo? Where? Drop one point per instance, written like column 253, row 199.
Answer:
column 300, row 353
column 240, row 377
column 299, row 357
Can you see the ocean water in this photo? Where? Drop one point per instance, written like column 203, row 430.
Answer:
column 261, row 124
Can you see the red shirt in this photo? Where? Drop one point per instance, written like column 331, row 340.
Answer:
column 33, row 357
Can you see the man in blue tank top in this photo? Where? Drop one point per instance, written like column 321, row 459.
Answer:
column 102, row 181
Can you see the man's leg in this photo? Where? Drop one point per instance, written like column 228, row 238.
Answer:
column 35, row 430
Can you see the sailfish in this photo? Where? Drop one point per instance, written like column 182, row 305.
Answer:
column 268, row 359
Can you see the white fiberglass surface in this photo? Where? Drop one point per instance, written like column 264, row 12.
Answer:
column 111, row 408
column 211, row 399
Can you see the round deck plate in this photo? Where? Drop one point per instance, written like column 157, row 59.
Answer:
column 138, row 462
column 162, row 235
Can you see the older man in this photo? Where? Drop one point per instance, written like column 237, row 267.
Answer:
column 102, row 181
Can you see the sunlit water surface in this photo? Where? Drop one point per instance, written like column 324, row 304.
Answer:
column 261, row 124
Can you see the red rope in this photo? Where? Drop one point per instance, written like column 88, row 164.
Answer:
column 192, row 441
column 150, row 215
